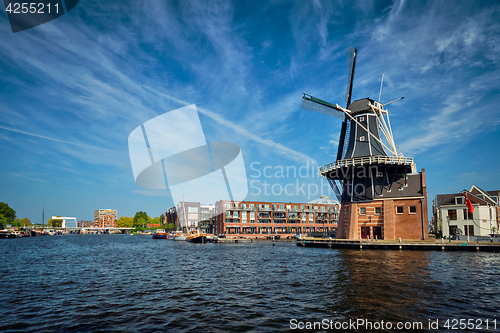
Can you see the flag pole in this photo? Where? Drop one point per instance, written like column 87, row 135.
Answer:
column 468, row 231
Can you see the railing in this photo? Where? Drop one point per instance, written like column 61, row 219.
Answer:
column 368, row 160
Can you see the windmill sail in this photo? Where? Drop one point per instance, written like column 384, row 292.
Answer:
column 345, row 130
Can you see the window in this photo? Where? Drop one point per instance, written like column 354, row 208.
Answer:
column 413, row 209
column 361, row 118
column 250, row 205
column 452, row 213
column 362, row 211
column 361, row 138
column 380, row 174
column 192, row 209
column 469, row 216
column 228, row 206
column 459, row 201
column 400, row 210
column 378, row 210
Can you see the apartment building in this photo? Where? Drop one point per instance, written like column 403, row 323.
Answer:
column 105, row 218
column 260, row 219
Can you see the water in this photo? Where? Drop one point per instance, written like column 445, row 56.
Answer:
column 119, row 283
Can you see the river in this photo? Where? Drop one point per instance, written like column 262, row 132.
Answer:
column 122, row 283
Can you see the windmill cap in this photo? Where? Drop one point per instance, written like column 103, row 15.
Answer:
column 361, row 106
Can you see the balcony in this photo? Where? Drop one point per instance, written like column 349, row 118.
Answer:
column 264, row 209
column 388, row 160
column 234, row 208
column 295, row 210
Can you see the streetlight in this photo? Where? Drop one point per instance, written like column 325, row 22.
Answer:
column 449, row 231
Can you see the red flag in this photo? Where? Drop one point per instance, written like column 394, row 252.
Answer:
column 469, row 204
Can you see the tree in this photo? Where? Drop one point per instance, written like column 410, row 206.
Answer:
column 55, row 223
column 140, row 215
column 125, row 222
column 141, row 222
column 8, row 213
column 25, row 222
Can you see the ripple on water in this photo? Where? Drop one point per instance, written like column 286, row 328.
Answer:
column 116, row 283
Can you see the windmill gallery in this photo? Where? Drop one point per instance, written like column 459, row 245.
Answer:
column 383, row 196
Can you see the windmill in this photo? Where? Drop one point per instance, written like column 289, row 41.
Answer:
column 365, row 165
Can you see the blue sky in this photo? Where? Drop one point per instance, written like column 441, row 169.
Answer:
column 73, row 89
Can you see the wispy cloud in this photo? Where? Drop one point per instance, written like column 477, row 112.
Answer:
column 58, row 140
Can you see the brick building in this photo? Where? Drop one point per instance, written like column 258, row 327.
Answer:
column 399, row 211
column 260, row 219
column 105, row 218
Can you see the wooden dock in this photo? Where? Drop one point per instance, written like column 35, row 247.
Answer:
column 396, row 245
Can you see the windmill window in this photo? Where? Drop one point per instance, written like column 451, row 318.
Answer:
column 361, row 138
column 361, row 118
column 380, row 174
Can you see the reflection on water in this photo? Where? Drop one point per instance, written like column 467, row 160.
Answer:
column 121, row 283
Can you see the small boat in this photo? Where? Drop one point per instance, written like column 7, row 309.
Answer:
column 179, row 236
column 159, row 234
column 196, row 236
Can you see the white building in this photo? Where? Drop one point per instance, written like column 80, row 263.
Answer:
column 452, row 215
column 67, row 222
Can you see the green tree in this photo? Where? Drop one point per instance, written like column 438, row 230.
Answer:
column 55, row 223
column 141, row 223
column 25, row 222
column 125, row 222
column 140, row 215
column 15, row 223
column 8, row 213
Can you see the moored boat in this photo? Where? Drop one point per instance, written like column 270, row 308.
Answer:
column 196, row 236
column 179, row 236
column 159, row 234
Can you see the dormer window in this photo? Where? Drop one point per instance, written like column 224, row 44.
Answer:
column 459, row 201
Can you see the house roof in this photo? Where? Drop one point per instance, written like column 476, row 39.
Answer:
column 478, row 191
column 449, row 199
